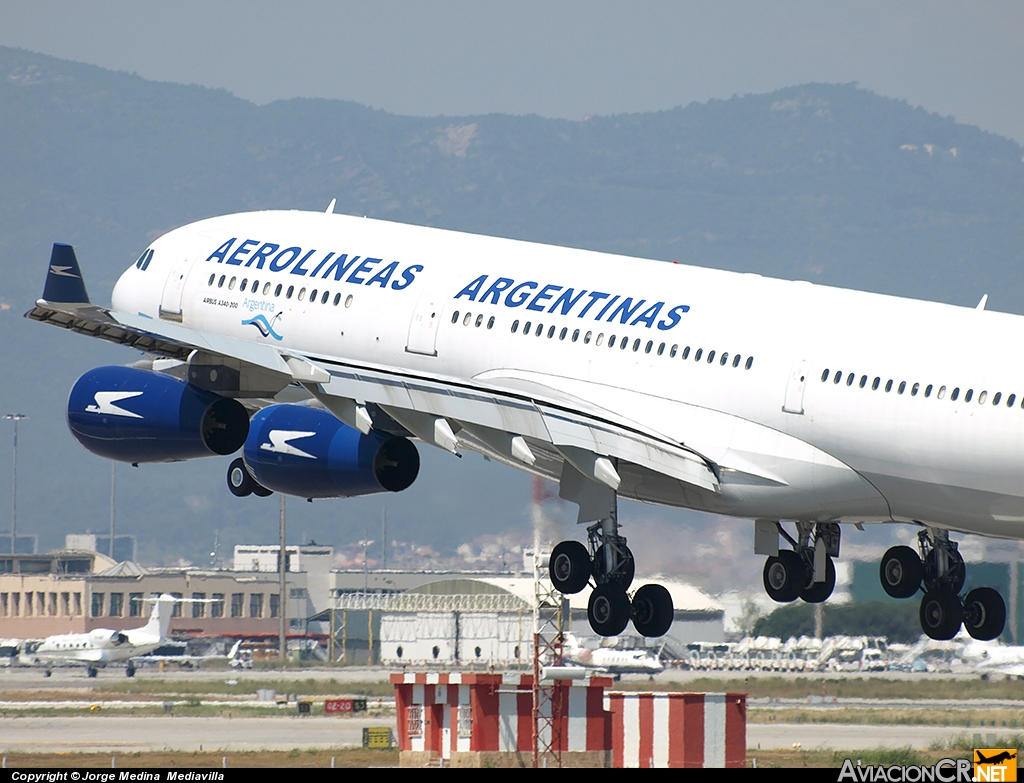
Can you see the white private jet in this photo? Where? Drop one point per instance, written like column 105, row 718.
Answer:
column 796, row 405
column 612, row 659
column 101, row 646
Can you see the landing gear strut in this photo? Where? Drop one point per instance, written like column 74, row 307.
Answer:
column 806, row 571
column 940, row 571
column 609, row 562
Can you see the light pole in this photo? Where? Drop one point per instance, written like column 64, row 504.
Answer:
column 15, row 417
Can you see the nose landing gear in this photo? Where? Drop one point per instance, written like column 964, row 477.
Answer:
column 941, row 572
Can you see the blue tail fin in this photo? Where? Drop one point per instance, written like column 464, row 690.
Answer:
column 64, row 279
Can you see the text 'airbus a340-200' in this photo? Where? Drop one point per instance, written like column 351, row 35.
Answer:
column 799, row 406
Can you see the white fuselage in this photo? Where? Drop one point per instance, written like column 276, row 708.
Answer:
column 424, row 303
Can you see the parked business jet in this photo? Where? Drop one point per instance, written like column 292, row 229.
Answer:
column 101, row 646
column 796, row 405
column 612, row 659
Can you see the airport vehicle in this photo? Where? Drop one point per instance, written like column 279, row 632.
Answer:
column 796, row 405
column 612, row 659
column 102, row 646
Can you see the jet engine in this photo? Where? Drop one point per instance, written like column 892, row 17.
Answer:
column 308, row 452
column 132, row 415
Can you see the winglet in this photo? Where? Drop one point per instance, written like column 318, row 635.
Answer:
column 64, row 279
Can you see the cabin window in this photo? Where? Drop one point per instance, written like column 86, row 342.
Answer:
column 325, row 297
column 312, row 296
column 903, row 387
column 243, row 285
column 490, row 322
column 611, row 341
column 551, row 331
column 291, row 290
column 982, row 396
column 955, row 394
column 212, row 278
column 1010, row 400
column 673, row 351
column 563, row 333
column 515, row 326
column 586, row 338
column 698, row 354
column 875, row 382
column 231, row 285
column 527, row 327
column 467, row 319
column 220, row 283
column 928, row 390
column 970, row 393
column 824, row 375
column 479, row 321
column 348, row 300
column 839, row 377
column 277, row 291
column 750, row 362
column 888, row 385
column 576, row 335
column 996, row 398
column 711, row 357
column 661, row 349
column 302, row 294
column 724, row 360
column 736, row 360
column 636, row 345
column 540, row 330
column 863, row 381
column 599, row 340
column 941, row 393
column 266, row 288
column 255, row 286
column 849, row 379
column 649, row 346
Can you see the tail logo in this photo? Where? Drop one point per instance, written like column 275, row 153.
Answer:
column 265, row 327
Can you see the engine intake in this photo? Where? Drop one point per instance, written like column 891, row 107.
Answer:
column 309, row 453
column 132, row 415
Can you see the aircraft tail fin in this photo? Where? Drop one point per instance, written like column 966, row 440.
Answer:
column 160, row 619
column 64, row 278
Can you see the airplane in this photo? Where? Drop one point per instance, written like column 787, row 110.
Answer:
column 612, row 660
column 101, row 646
column 992, row 658
column 322, row 345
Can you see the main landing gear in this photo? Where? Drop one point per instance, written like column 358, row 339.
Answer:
column 610, row 563
column 241, row 483
column 806, row 571
column 940, row 571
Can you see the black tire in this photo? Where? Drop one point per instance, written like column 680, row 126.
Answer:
column 239, row 481
column 784, row 576
column 900, row 572
column 954, row 577
column 569, row 567
column 625, row 577
column 261, row 491
column 652, row 611
column 90, row 672
column 819, row 592
column 984, row 614
column 608, row 610
column 130, row 671
column 941, row 614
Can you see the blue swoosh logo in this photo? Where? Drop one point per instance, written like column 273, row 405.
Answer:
column 265, row 328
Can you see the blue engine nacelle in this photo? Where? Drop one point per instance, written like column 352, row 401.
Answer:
column 132, row 415
column 309, row 453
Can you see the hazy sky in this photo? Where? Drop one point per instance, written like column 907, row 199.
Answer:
column 551, row 58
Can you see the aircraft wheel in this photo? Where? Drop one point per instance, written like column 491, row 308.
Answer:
column 984, row 614
column 569, row 567
column 818, row 592
column 91, row 671
column 129, row 671
column 784, row 576
column 48, row 673
column 625, row 577
column 955, row 575
column 608, row 610
column 261, row 491
column 240, row 482
column 652, row 611
column 900, row 572
column 941, row 614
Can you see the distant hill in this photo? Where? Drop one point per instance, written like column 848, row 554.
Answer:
column 822, row 182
